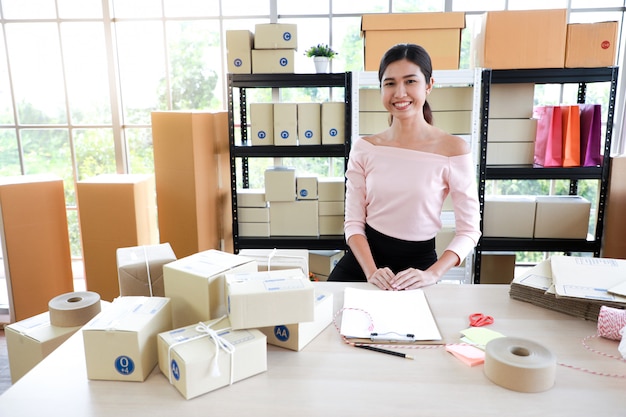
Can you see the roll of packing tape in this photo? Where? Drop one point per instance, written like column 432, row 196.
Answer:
column 74, row 308
column 519, row 364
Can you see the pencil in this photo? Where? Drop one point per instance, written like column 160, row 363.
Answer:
column 388, row 352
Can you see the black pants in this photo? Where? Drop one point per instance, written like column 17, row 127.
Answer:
column 387, row 251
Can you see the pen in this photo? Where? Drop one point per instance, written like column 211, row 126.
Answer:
column 388, row 352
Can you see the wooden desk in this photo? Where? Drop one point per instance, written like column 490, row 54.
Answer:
column 330, row 378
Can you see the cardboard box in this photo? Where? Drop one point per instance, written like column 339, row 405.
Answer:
column 614, row 244
column 370, row 100
column 511, row 101
column 513, row 39
column 331, row 189
column 254, row 214
column 195, row 284
column 512, row 130
column 273, row 61
column 190, row 361
column 306, row 187
column 331, row 225
column 510, row 153
column 120, row 342
column 280, row 184
column 116, row 211
column 451, row 98
column 294, row 218
column 247, row 197
column 261, row 124
column 439, row 33
column 453, row 122
column 333, row 123
column 497, row 267
column 275, row 259
column 591, row 44
column 309, row 124
column 331, row 208
column 285, row 124
column 35, row 245
column 275, row 36
column 296, row 336
column 239, row 45
column 270, row 298
column 140, row 269
column 254, row 229
column 373, row 122
column 562, row 217
column 322, row 262
column 509, row 216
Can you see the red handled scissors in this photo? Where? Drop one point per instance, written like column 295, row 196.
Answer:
column 479, row 319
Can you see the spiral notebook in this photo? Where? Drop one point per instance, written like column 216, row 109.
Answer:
column 376, row 316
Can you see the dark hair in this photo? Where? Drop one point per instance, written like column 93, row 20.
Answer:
column 415, row 54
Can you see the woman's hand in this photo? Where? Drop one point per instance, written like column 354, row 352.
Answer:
column 412, row 278
column 381, row 278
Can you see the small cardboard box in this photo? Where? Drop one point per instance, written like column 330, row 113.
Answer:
column 372, row 122
column 509, row 216
column 309, row 124
column 254, row 214
column 195, row 284
column 331, row 189
column 140, row 269
column 451, row 98
column 275, row 36
column 120, row 342
column 294, row 218
column 296, row 336
column 562, row 217
column 511, row 101
column 188, row 357
column 247, row 197
column 275, row 259
column 497, row 267
column 591, row 45
column 510, row 153
column 513, row 39
column 333, row 123
column 261, row 124
column 322, row 262
column 453, row 122
column 273, row 61
column 512, row 130
column 280, row 184
column 331, row 225
column 439, row 33
column 331, row 208
column 370, row 100
column 254, row 229
column 306, row 187
column 239, row 51
column 285, row 124
column 269, row 298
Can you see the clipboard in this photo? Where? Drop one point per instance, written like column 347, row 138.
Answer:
column 388, row 317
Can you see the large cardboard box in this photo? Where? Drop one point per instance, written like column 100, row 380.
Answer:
column 248, row 197
column 285, row 124
column 591, row 44
column 511, row 101
column 371, row 122
column 192, row 362
column 333, row 123
column 195, row 284
column 116, row 211
column 562, row 217
column 121, row 342
column 269, row 298
column 513, row 39
column 331, row 225
column 254, row 229
column 280, row 184
column 331, row 189
column 370, row 100
column 453, row 122
column 451, row 98
column 34, row 242
column 276, row 259
column 509, row 216
column 510, row 153
column 261, row 124
column 254, row 214
column 294, row 218
column 273, row 61
column 309, row 124
column 614, row 245
column 275, row 36
column 512, row 130
column 439, row 33
column 322, row 262
column 239, row 45
column 497, row 267
column 296, row 336
column 140, row 269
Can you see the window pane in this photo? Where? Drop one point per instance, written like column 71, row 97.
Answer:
column 592, row 17
column 28, row 9
column 348, row 42
column 246, row 7
column 412, row 6
column 6, row 105
column 141, row 62
column 80, row 8
column 477, row 5
column 73, row 229
column 95, row 152
column 136, row 8
column 186, row 8
column 537, row 4
column 310, row 32
column 39, row 94
column 301, row 7
column 9, row 154
column 586, row 4
column 140, row 155
column 362, row 6
column 86, row 73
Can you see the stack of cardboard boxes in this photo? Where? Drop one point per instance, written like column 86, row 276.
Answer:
column 269, row 50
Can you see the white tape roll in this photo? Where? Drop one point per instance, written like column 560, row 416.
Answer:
column 74, row 308
column 519, row 364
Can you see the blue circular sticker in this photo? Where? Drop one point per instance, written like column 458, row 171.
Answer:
column 175, row 370
column 308, row 134
column 333, row 132
column 261, row 134
column 284, row 134
column 284, row 62
column 124, row 365
column 304, row 193
column 238, row 62
column 287, row 36
column 281, row 333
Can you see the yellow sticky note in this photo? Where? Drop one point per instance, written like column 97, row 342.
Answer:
column 467, row 354
column 480, row 335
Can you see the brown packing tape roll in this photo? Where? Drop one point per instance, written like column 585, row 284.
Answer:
column 519, row 364
column 74, row 308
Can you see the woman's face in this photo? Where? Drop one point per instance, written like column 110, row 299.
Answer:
column 404, row 89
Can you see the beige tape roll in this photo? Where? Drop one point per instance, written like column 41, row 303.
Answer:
column 74, row 308
column 519, row 364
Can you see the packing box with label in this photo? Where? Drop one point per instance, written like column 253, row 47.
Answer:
column 591, row 45
column 272, row 61
column 120, row 342
column 140, row 269
column 239, row 45
column 333, row 123
column 285, row 124
column 513, row 39
column 261, row 124
column 296, row 336
column 248, row 197
column 322, row 262
column 512, row 130
column 274, row 259
column 294, row 218
column 511, row 101
column 331, row 188
column 562, row 217
column 309, row 124
column 510, row 153
column 280, row 183
column 275, row 36
column 306, row 187
column 192, row 361
column 439, row 33
column 269, row 298
column 509, row 216
column 195, row 284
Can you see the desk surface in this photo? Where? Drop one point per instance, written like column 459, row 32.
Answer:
column 330, row 378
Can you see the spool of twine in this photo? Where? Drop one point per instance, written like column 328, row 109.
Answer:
column 610, row 322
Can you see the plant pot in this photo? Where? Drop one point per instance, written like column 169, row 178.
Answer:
column 321, row 64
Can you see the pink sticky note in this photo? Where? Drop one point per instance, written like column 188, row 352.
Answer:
column 467, row 354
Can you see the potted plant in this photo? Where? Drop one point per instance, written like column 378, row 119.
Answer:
column 321, row 54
